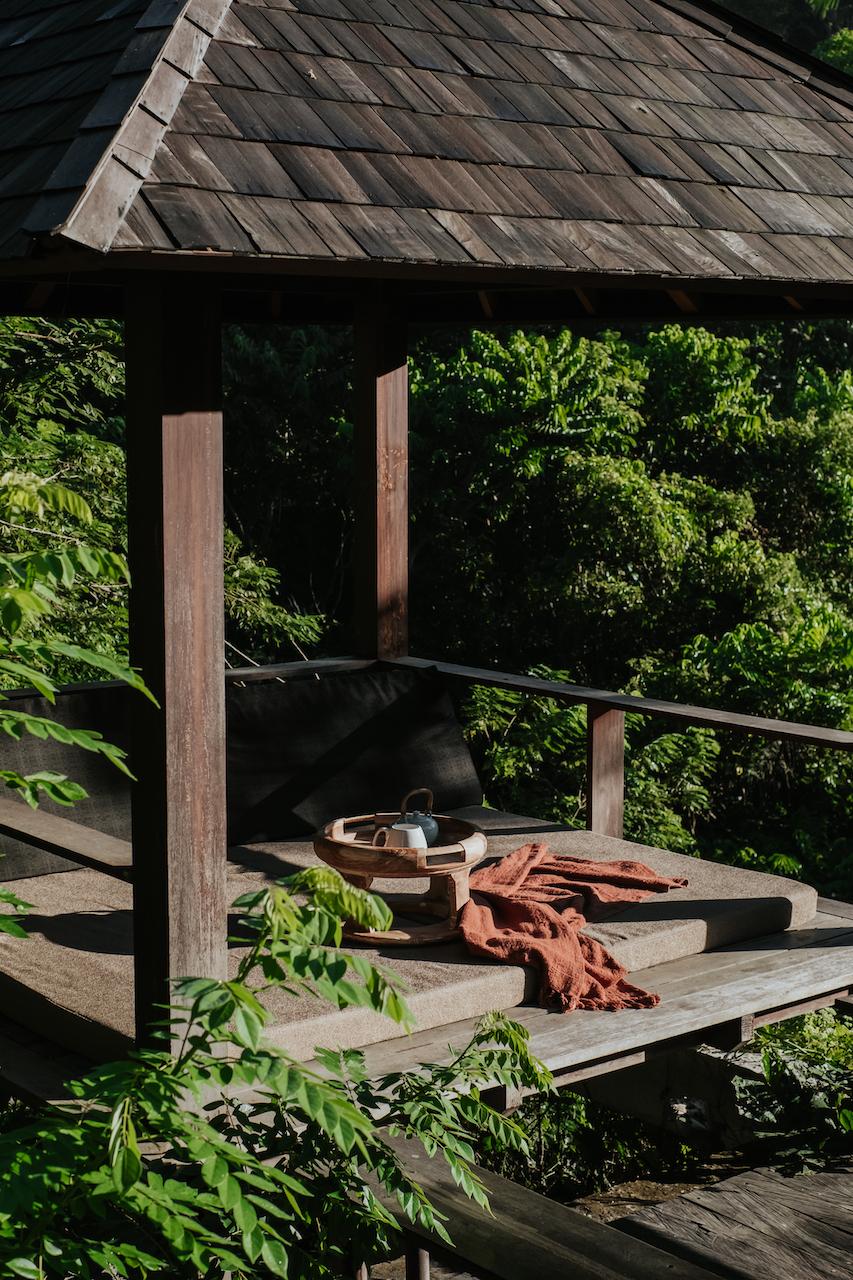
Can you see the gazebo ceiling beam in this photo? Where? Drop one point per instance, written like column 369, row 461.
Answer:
column 175, row 528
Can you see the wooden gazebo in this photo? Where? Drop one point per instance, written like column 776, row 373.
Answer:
column 382, row 162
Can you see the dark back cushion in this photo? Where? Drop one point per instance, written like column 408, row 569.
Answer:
column 299, row 754
column 304, row 752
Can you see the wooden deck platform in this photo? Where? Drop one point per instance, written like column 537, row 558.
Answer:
column 717, row 998
column 759, row 1224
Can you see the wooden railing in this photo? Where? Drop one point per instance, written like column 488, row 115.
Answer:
column 606, row 728
column 605, row 749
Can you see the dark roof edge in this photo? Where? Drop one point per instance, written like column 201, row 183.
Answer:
column 766, row 45
column 92, row 188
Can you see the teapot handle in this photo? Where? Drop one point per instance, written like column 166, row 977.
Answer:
column 418, row 791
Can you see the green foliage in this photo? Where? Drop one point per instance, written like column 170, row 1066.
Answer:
column 838, row 49
column 224, row 1156
column 32, row 586
column 826, row 1036
column 61, row 425
column 801, row 1108
column 576, row 1147
column 703, row 410
column 533, row 750
column 694, row 545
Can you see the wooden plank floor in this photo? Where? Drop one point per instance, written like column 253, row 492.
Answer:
column 717, row 997
column 759, row 1224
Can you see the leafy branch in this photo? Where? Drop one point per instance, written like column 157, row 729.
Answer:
column 216, row 1153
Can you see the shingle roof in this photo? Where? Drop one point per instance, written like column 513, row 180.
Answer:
column 648, row 137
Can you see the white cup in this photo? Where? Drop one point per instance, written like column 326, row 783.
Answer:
column 402, row 835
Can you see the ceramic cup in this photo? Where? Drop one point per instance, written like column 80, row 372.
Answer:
column 402, row 835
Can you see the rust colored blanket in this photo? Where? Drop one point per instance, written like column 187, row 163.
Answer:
column 530, row 908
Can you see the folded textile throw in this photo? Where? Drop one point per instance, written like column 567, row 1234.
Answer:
column 530, row 908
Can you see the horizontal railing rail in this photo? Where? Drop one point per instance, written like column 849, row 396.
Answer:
column 677, row 712
column 606, row 713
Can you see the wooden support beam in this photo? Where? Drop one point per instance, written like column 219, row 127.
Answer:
column 417, row 1263
column 605, row 788
column 381, row 576
column 175, row 534
column 585, row 298
column 487, row 303
column 685, row 303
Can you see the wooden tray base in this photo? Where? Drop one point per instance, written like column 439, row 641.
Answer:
column 346, row 844
column 445, row 898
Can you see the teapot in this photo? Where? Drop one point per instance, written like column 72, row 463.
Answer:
column 420, row 817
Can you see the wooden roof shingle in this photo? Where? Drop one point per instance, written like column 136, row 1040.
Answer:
column 658, row 138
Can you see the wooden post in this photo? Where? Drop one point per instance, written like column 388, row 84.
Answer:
column 417, row 1263
column 381, row 574
column 175, row 535
column 605, row 788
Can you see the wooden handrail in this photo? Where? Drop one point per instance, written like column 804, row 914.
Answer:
column 606, row 711
column 303, row 668
column 677, row 713
column 67, row 839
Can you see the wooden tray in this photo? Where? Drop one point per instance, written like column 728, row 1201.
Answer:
column 346, row 844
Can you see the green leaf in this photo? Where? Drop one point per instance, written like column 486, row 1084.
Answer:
column 275, row 1258
column 229, row 1193
column 214, row 1171
column 248, row 1028
column 24, row 1267
column 127, row 1169
column 118, row 670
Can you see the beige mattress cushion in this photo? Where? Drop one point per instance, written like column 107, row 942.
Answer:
column 72, row 979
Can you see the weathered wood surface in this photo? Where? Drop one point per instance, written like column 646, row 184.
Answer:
column 605, row 771
column 381, row 558
column 677, row 713
column 530, row 1237
column 702, row 996
column 175, row 539
column 69, row 839
column 759, row 1224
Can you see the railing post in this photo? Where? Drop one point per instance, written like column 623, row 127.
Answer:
column 605, row 785
column 381, row 552
column 417, row 1263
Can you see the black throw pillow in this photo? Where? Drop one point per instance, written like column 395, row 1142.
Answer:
column 309, row 750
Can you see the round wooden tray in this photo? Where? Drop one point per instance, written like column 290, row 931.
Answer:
column 346, row 844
